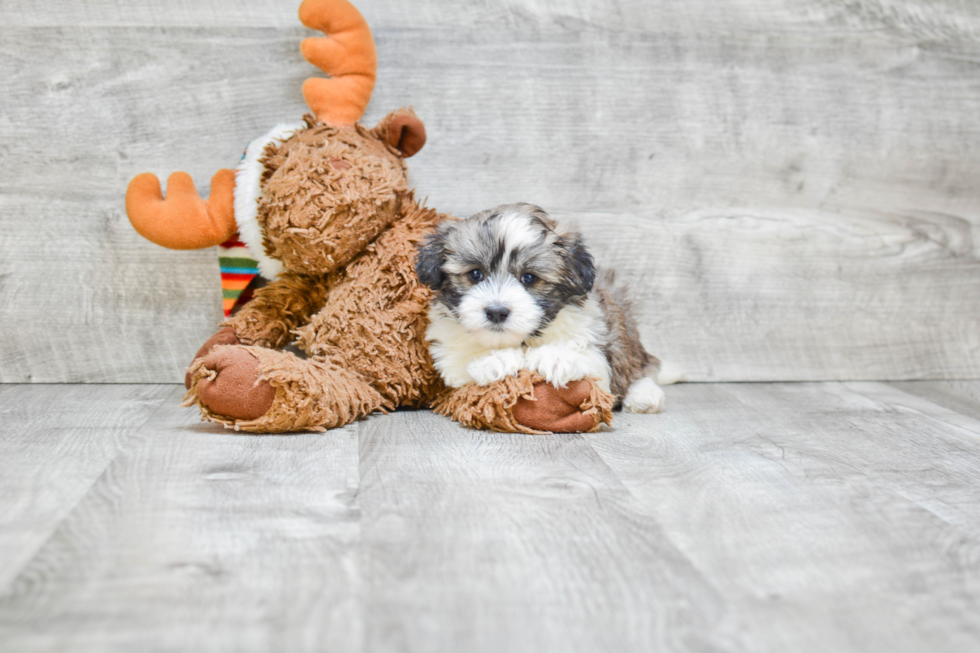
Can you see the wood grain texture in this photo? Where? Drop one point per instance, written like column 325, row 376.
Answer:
column 962, row 397
column 492, row 542
column 748, row 517
column 55, row 442
column 829, row 513
column 789, row 187
column 938, row 18
column 197, row 538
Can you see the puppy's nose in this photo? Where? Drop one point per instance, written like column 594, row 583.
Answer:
column 497, row 313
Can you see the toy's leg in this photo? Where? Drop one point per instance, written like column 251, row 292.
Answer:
column 526, row 403
column 268, row 391
column 269, row 318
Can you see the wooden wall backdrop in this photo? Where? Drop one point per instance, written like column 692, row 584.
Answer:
column 792, row 188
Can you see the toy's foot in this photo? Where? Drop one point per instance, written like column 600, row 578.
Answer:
column 225, row 336
column 231, row 387
column 261, row 390
column 526, row 403
column 557, row 409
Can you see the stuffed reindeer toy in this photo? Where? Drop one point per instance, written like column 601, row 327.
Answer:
column 325, row 209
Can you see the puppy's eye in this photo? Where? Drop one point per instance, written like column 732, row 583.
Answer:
column 528, row 279
column 475, row 276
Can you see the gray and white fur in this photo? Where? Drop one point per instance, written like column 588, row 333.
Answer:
column 516, row 289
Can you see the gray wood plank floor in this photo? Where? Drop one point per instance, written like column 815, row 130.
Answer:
column 748, row 517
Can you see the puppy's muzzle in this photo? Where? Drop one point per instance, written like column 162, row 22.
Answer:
column 497, row 314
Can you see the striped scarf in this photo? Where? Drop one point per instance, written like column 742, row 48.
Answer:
column 238, row 268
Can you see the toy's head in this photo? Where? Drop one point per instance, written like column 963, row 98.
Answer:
column 332, row 187
column 308, row 198
column 328, row 191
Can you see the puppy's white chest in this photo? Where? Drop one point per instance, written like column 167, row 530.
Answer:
column 569, row 349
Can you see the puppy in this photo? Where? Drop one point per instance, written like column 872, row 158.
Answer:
column 516, row 289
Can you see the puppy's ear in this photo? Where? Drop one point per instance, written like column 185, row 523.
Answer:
column 579, row 264
column 431, row 257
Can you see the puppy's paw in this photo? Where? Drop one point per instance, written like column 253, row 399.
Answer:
column 644, row 396
column 559, row 365
column 495, row 366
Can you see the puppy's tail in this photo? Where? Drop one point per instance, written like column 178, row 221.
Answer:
column 645, row 395
column 669, row 374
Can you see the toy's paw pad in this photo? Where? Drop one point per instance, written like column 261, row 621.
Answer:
column 644, row 396
column 559, row 365
column 496, row 366
column 556, row 409
column 231, row 388
column 225, row 336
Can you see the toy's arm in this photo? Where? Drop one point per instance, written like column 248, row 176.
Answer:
column 183, row 220
column 276, row 309
column 526, row 403
column 267, row 319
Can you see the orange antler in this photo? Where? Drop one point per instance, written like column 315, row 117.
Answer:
column 347, row 54
column 183, row 220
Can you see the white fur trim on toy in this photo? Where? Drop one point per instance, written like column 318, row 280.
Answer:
column 248, row 190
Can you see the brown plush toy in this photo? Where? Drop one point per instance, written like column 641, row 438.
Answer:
column 325, row 209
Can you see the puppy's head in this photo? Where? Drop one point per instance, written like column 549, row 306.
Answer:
column 505, row 273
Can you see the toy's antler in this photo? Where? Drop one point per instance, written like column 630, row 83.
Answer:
column 347, row 54
column 183, row 220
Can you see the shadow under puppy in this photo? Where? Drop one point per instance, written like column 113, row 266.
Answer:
column 516, row 289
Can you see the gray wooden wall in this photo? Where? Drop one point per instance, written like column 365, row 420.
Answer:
column 791, row 187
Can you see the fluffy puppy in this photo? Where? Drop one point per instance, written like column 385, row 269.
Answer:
column 516, row 289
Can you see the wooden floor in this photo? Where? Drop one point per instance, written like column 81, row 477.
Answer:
column 748, row 517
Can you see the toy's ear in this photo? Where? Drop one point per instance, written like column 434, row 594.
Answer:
column 402, row 130
column 432, row 256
